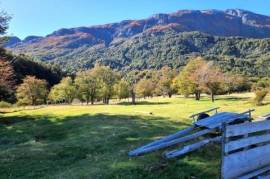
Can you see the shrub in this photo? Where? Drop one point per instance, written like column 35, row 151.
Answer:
column 260, row 95
column 4, row 104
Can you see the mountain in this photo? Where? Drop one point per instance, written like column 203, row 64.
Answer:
column 163, row 39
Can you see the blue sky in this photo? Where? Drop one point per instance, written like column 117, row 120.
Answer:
column 41, row 17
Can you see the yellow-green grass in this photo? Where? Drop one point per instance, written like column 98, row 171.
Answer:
column 93, row 141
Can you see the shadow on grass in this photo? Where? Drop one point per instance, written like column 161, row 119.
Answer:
column 93, row 146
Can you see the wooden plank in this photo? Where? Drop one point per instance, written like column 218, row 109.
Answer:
column 245, row 142
column 246, row 128
column 217, row 120
column 206, row 111
column 190, row 148
column 238, row 164
column 170, row 137
column 169, row 143
column 256, row 173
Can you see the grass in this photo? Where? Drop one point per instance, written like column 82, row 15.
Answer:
column 93, row 141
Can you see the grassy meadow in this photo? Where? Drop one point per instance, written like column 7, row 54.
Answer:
column 93, row 141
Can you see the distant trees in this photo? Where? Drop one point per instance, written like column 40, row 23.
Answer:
column 211, row 79
column 65, row 91
column 145, row 88
column 188, row 81
column 122, row 89
column 101, row 83
column 87, row 85
column 164, row 79
column 32, row 91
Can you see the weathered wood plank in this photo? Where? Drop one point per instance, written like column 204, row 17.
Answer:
column 242, row 129
column 240, row 163
column 245, row 142
column 170, row 137
column 206, row 111
column 190, row 148
column 217, row 120
column 256, row 173
column 169, row 143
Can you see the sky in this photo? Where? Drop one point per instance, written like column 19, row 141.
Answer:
column 42, row 17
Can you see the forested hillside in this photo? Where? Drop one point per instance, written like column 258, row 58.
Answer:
column 238, row 42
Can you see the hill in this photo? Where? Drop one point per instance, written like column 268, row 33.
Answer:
column 163, row 39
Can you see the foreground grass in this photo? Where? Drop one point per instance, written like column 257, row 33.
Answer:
column 93, row 141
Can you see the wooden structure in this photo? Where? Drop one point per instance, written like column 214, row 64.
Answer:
column 196, row 131
column 246, row 150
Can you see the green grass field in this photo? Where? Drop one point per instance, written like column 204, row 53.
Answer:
column 93, row 141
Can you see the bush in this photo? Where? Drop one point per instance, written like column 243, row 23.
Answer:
column 260, row 95
column 4, row 104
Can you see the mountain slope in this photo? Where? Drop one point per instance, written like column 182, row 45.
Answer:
column 155, row 41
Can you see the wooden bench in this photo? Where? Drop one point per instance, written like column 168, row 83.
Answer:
column 246, row 150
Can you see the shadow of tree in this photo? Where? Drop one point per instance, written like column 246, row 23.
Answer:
column 94, row 146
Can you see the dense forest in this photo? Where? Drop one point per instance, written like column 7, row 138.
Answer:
column 154, row 49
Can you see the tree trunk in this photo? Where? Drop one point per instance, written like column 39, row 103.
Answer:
column 170, row 95
column 92, row 100
column 212, row 97
column 133, row 97
column 197, row 95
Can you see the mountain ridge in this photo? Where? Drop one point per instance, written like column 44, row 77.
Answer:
column 81, row 47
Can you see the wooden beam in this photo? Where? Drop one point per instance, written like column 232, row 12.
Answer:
column 246, row 128
column 245, row 142
column 169, row 143
column 190, row 148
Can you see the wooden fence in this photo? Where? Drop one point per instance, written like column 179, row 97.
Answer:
column 246, row 150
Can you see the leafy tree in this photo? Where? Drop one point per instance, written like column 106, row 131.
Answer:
column 164, row 80
column 64, row 91
column 132, row 79
column 107, row 78
column 187, row 81
column 145, row 88
column 122, row 89
column 32, row 91
column 261, row 89
column 210, row 78
column 7, row 81
column 87, row 84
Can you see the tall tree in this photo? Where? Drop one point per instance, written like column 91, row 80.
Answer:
column 145, row 88
column 7, row 80
column 187, row 81
column 106, row 78
column 164, row 80
column 121, row 89
column 210, row 78
column 32, row 91
column 65, row 91
column 87, row 84
column 132, row 79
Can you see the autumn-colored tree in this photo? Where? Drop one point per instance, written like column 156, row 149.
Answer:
column 145, row 88
column 187, row 82
column 261, row 89
column 164, row 81
column 87, row 85
column 32, row 91
column 210, row 78
column 7, row 80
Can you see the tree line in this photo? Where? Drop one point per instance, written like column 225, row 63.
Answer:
column 101, row 84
